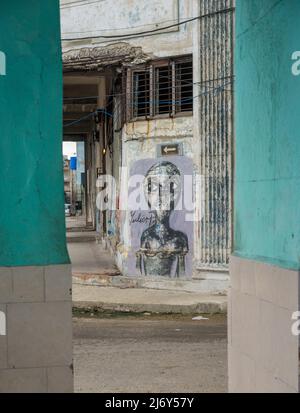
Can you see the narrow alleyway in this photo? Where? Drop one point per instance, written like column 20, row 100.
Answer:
column 87, row 256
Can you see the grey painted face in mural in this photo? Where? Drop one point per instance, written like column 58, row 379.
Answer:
column 162, row 188
column 163, row 249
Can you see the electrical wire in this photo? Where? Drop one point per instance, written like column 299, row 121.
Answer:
column 144, row 90
column 87, row 117
column 77, row 3
column 126, row 28
column 147, row 32
column 162, row 102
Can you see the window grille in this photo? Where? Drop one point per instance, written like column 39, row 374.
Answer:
column 163, row 88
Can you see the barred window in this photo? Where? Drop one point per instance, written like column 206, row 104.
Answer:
column 163, row 88
column 184, row 86
column 141, row 95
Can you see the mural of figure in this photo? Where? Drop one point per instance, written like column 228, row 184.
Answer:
column 162, row 249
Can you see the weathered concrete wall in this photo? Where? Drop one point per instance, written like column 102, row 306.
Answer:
column 127, row 17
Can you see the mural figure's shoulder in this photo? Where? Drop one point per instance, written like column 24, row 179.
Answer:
column 181, row 240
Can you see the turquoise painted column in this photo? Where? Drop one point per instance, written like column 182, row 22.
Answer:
column 35, row 276
column 264, row 269
column 32, row 229
column 267, row 185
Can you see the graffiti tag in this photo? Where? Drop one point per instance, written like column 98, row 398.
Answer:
column 140, row 218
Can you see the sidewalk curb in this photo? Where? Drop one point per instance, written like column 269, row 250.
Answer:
column 112, row 278
column 199, row 308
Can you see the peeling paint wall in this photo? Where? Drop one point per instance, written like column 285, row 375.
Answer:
column 84, row 19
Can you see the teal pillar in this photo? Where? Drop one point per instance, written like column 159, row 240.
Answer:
column 32, row 228
column 35, row 275
column 264, row 268
column 267, row 152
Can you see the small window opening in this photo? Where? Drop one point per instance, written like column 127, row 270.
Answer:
column 141, row 94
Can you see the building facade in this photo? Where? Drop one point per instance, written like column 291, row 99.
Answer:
column 148, row 87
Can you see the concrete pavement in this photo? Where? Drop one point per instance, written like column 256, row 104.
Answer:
column 140, row 300
column 171, row 354
column 87, row 256
column 126, row 346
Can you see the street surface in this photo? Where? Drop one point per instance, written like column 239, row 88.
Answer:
column 160, row 353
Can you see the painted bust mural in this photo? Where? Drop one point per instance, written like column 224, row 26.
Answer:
column 163, row 249
column 162, row 240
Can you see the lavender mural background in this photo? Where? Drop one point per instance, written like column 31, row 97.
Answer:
column 142, row 219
